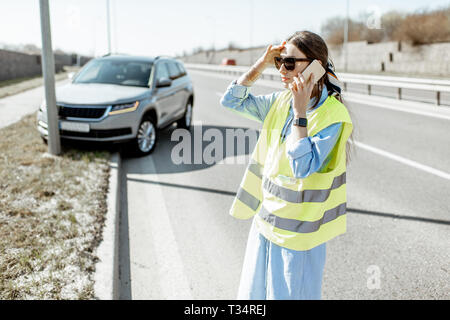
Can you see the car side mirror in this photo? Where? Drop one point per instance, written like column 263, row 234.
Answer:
column 70, row 75
column 164, row 82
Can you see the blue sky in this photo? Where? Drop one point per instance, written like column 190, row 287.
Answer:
column 169, row 27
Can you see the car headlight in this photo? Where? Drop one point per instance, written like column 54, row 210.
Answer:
column 125, row 107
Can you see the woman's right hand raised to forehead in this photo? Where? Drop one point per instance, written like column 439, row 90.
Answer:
column 248, row 78
column 272, row 52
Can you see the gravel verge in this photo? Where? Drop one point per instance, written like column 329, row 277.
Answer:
column 52, row 211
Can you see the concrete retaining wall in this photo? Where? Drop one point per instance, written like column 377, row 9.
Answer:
column 16, row 65
column 244, row 57
column 388, row 57
column 395, row 57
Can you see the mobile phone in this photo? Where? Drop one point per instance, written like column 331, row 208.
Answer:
column 316, row 68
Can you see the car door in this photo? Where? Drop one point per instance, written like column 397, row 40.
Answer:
column 178, row 84
column 186, row 85
column 165, row 96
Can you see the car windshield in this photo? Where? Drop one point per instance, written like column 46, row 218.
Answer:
column 126, row 73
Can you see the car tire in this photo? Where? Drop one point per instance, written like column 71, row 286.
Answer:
column 186, row 121
column 146, row 138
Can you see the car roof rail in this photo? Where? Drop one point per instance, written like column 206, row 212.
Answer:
column 114, row 54
column 163, row 56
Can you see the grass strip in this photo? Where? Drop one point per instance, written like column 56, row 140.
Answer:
column 52, row 211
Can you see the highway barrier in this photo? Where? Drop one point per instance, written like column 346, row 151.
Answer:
column 438, row 87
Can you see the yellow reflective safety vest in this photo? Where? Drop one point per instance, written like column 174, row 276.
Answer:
column 298, row 214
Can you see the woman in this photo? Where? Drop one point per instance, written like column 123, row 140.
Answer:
column 294, row 186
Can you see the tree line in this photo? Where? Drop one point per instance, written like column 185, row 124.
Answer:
column 423, row 26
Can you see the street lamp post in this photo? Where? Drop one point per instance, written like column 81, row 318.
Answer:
column 211, row 53
column 251, row 32
column 48, row 71
column 346, row 40
column 108, row 26
column 212, row 23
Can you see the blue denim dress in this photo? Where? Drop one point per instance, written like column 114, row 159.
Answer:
column 270, row 271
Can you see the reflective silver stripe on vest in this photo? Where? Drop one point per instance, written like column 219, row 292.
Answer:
column 248, row 199
column 255, row 168
column 302, row 226
column 305, row 195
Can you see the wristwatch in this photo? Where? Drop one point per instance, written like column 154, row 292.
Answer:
column 301, row 122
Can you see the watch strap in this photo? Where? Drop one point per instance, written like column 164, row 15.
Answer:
column 301, row 122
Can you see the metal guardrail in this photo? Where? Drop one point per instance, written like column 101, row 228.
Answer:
column 437, row 86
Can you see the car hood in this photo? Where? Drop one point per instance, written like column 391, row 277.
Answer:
column 98, row 93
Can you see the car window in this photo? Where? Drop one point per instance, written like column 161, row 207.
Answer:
column 136, row 74
column 90, row 72
column 181, row 68
column 174, row 72
column 162, row 71
column 121, row 72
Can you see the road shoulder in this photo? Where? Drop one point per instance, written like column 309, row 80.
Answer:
column 106, row 277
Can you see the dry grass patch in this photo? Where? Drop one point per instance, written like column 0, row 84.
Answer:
column 52, row 211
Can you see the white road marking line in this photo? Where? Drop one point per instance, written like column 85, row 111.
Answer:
column 397, row 108
column 408, row 162
column 154, row 222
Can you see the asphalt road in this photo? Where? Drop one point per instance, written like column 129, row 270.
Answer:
column 178, row 241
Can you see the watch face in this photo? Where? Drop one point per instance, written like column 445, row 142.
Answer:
column 302, row 122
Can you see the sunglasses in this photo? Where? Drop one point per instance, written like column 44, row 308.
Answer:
column 289, row 63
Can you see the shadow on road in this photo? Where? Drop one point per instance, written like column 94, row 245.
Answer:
column 205, row 146
column 167, row 152
column 175, row 185
column 67, row 144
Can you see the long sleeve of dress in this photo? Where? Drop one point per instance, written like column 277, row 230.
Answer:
column 238, row 98
column 312, row 154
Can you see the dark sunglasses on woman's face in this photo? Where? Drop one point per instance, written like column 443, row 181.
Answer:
column 289, row 63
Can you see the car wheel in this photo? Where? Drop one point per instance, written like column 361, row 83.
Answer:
column 146, row 138
column 186, row 121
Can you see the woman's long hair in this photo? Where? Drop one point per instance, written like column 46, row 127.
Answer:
column 314, row 47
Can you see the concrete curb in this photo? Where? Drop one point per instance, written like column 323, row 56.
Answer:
column 106, row 277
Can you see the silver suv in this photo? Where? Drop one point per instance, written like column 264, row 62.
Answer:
column 123, row 98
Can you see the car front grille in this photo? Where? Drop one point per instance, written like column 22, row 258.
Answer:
column 81, row 112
